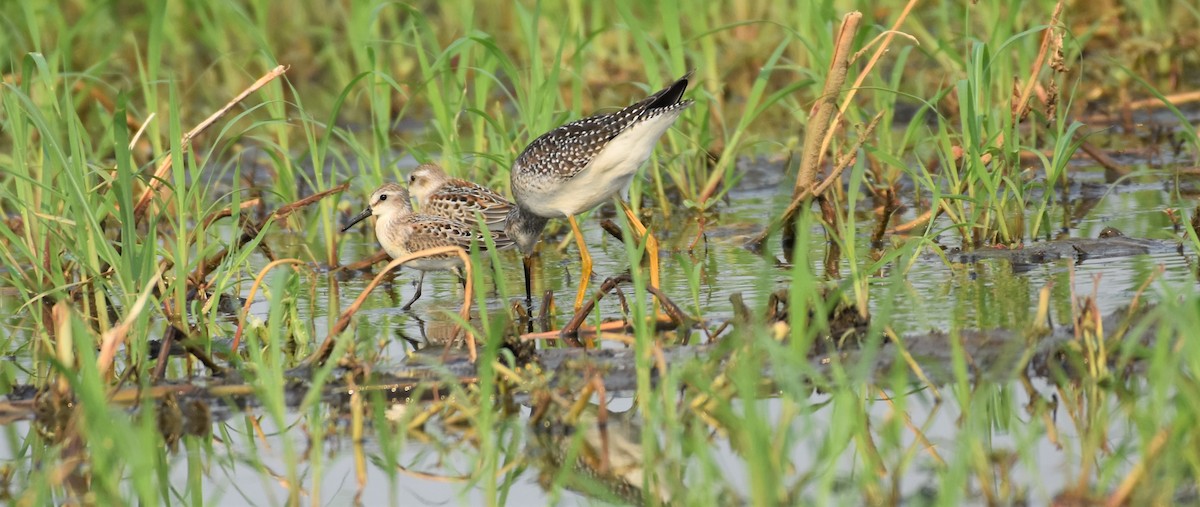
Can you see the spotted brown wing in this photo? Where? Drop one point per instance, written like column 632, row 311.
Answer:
column 432, row 232
column 461, row 200
column 565, row 151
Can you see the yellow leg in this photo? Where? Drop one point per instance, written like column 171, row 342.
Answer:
column 584, row 258
column 651, row 243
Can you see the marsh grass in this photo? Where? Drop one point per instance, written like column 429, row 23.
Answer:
column 96, row 95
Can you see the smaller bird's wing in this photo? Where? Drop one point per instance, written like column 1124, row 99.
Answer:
column 434, row 231
column 461, row 199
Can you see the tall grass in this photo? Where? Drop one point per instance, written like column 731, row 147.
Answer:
column 763, row 416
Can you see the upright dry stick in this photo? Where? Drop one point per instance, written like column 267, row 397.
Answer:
column 1038, row 62
column 862, row 76
column 818, row 125
column 816, row 191
column 821, row 126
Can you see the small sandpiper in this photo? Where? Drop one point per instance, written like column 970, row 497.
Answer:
column 402, row 232
column 439, row 194
column 578, row 166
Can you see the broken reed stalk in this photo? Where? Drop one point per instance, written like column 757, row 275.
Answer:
column 890, row 205
column 64, row 346
column 164, row 353
column 834, row 176
column 154, row 186
column 828, row 210
column 326, row 347
column 115, row 336
column 568, row 332
column 819, row 124
column 885, row 42
column 919, row 221
column 604, row 330
column 1038, row 63
column 676, row 317
column 1100, row 157
column 1175, row 99
column 228, row 212
column 191, row 348
column 287, row 209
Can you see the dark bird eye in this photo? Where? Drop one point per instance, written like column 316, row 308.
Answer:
column 383, row 197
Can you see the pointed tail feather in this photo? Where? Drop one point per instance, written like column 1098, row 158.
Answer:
column 670, row 95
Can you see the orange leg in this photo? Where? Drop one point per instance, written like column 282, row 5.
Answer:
column 651, row 243
column 584, row 258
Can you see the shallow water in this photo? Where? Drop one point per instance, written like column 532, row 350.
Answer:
column 984, row 295
column 243, row 469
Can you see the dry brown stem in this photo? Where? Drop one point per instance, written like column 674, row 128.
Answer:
column 1039, row 62
column 820, row 123
column 160, row 173
column 113, row 338
column 326, row 347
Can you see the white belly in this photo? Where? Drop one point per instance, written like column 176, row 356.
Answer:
column 393, row 237
column 609, row 173
column 583, row 192
column 433, row 264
